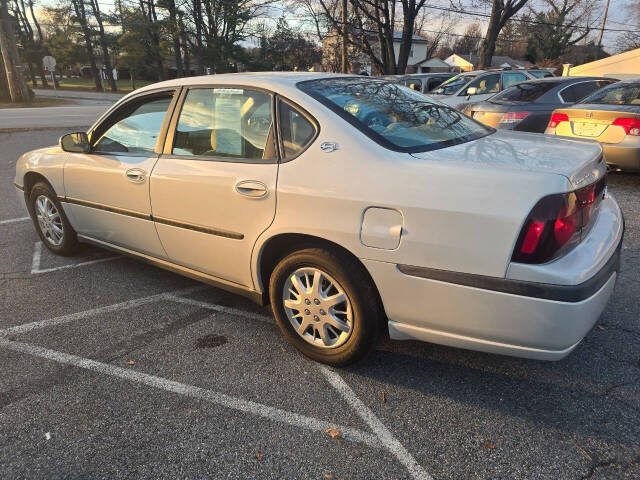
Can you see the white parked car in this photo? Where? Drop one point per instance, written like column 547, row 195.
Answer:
column 480, row 85
column 351, row 204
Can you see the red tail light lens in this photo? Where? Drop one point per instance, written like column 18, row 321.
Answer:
column 557, row 118
column 557, row 223
column 514, row 117
column 631, row 125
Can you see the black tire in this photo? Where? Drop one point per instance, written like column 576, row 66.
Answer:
column 356, row 284
column 69, row 243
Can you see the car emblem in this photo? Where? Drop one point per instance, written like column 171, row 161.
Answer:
column 328, row 147
column 589, row 114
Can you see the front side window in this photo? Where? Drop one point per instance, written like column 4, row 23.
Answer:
column 296, row 131
column 452, row 85
column 134, row 127
column 510, row 79
column 484, row 85
column 396, row 117
column 225, row 122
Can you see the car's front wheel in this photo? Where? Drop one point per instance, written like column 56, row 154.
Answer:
column 325, row 305
column 50, row 221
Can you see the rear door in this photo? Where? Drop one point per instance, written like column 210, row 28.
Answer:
column 107, row 190
column 213, row 190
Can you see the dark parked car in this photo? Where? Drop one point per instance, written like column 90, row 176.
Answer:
column 528, row 106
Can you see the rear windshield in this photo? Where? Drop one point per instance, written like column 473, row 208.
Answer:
column 394, row 116
column 452, row 85
column 616, row 95
column 524, row 92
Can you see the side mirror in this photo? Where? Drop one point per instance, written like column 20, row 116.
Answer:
column 472, row 91
column 75, row 142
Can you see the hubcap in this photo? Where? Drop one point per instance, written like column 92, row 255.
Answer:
column 49, row 220
column 318, row 308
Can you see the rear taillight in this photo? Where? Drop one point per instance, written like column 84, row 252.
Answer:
column 514, row 117
column 556, row 223
column 631, row 125
column 557, row 118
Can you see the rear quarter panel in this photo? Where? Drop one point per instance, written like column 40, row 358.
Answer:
column 458, row 216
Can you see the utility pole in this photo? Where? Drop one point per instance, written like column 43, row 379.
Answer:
column 604, row 21
column 18, row 90
column 344, row 37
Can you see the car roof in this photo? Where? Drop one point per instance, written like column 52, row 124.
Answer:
column 266, row 80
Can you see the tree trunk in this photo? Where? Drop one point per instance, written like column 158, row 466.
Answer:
column 175, row 37
column 132, row 76
column 18, row 90
column 106, row 61
column 489, row 43
column 78, row 6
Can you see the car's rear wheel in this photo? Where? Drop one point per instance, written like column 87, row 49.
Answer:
column 50, row 221
column 325, row 305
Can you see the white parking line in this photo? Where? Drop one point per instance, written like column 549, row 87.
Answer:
column 220, row 308
column 14, row 220
column 37, row 254
column 27, row 327
column 382, row 438
column 234, row 403
column 383, row 433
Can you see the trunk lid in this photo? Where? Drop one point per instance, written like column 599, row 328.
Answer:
column 593, row 121
column 579, row 161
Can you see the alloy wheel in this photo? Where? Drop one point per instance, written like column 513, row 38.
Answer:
column 49, row 220
column 317, row 308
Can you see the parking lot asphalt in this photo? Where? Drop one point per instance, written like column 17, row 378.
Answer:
column 112, row 368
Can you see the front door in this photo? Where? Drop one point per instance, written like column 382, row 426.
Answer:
column 107, row 190
column 214, row 190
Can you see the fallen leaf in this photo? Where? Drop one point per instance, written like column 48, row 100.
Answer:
column 384, row 397
column 11, row 338
column 335, row 433
column 601, row 327
column 489, row 446
column 329, row 476
column 259, row 456
column 131, row 362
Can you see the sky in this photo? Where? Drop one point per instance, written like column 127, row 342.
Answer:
column 619, row 16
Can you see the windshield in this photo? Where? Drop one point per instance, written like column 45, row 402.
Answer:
column 523, row 92
column 452, row 85
column 616, row 95
column 394, row 116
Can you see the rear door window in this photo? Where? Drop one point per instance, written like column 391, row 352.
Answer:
column 225, row 122
column 510, row 79
column 524, row 92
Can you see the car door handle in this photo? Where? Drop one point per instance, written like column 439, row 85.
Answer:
column 252, row 188
column 136, row 175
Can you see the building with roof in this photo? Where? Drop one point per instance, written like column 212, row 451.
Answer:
column 468, row 62
column 621, row 66
column 331, row 58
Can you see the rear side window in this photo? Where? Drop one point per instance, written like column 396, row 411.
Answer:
column 524, row 92
column 134, row 127
column 510, row 79
column 434, row 82
column 225, row 122
column 296, row 131
column 580, row 90
column 628, row 94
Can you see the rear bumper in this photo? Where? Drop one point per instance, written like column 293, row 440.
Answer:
column 622, row 157
column 497, row 315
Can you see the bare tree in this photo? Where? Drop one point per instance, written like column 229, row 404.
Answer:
column 83, row 20
column 501, row 11
column 104, row 45
column 564, row 24
column 18, row 90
